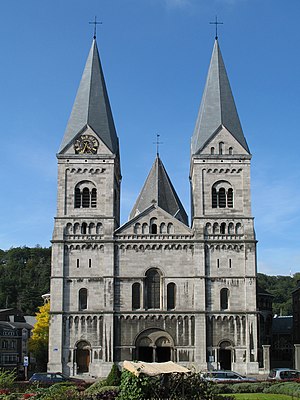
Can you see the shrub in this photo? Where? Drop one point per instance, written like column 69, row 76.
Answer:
column 178, row 386
column 7, row 378
column 134, row 387
column 289, row 388
column 12, row 396
column 58, row 391
column 114, row 377
column 96, row 387
column 104, row 393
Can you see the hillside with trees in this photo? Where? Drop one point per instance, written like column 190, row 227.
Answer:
column 25, row 277
column 281, row 288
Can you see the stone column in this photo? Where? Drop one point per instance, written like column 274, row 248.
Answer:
column 297, row 356
column 266, row 357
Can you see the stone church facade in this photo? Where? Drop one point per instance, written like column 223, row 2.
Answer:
column 155, row 288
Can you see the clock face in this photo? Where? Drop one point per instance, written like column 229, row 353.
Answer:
column 86, row 144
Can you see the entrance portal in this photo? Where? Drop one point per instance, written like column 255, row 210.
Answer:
column 225, row 355
column 145, row 354
column 154, row 345
column 163, row 354
column 82, row 357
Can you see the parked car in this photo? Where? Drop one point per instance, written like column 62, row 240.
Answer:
column 222, row 375
column 283, row 374
column 53, row 377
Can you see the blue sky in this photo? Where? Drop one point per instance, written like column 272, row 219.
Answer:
column 155, row 55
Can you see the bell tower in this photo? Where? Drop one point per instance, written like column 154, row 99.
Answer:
column 88, row 212
column 222, row 221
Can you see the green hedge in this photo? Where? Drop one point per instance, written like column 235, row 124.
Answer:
column 290, row 388
column 246, row 387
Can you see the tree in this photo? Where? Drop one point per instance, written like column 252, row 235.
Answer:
column 38, row 343
column 24, row 277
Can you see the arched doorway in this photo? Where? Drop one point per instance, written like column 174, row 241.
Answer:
column 225, row 349
column 154, row 345
column 83, row 349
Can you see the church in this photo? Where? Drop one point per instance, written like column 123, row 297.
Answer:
column 155, row 288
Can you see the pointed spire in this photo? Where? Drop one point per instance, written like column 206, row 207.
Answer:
column 91, row 107
column 159, row 189
column 217, row 107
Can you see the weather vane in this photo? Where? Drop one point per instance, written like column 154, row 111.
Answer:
column 95, row 23
column 157, row 144
column 216, row 23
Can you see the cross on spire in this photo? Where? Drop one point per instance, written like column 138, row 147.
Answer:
column 157, row 144
column 95, row 23
column 216, row 23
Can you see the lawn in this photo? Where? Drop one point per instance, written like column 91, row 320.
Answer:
column 261, row 396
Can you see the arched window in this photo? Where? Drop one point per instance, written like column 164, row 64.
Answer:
column 153, row 226
column 85, row 195
column 212, row 150
column 76, row 228
column 221, row 147
column 136, row 296
column 84, row 228
column 224, row 295
column 215, row 228
column 152, row 289
column 231, row 228
column 230, row 150
column 171, row 296
column 92, row 229
column 170, row 228
column 222, row 195
column 223, row 228
column 238, row 229
column 137, row 228
column 82, row 299
column 145, row 228
column 99, row 228
column 162, row 228
column 154, row 229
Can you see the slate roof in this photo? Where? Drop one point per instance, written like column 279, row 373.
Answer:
column 217, row 107
column 159, row 189
column 91, row 106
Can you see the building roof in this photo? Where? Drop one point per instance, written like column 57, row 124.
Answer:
column 217, row 108
column 16, row 325
column 91, row 107
column 282, row 324
column 158, row 189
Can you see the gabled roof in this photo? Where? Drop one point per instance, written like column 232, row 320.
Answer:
column 217, row 108
column 91, row 107
column 159, row 189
